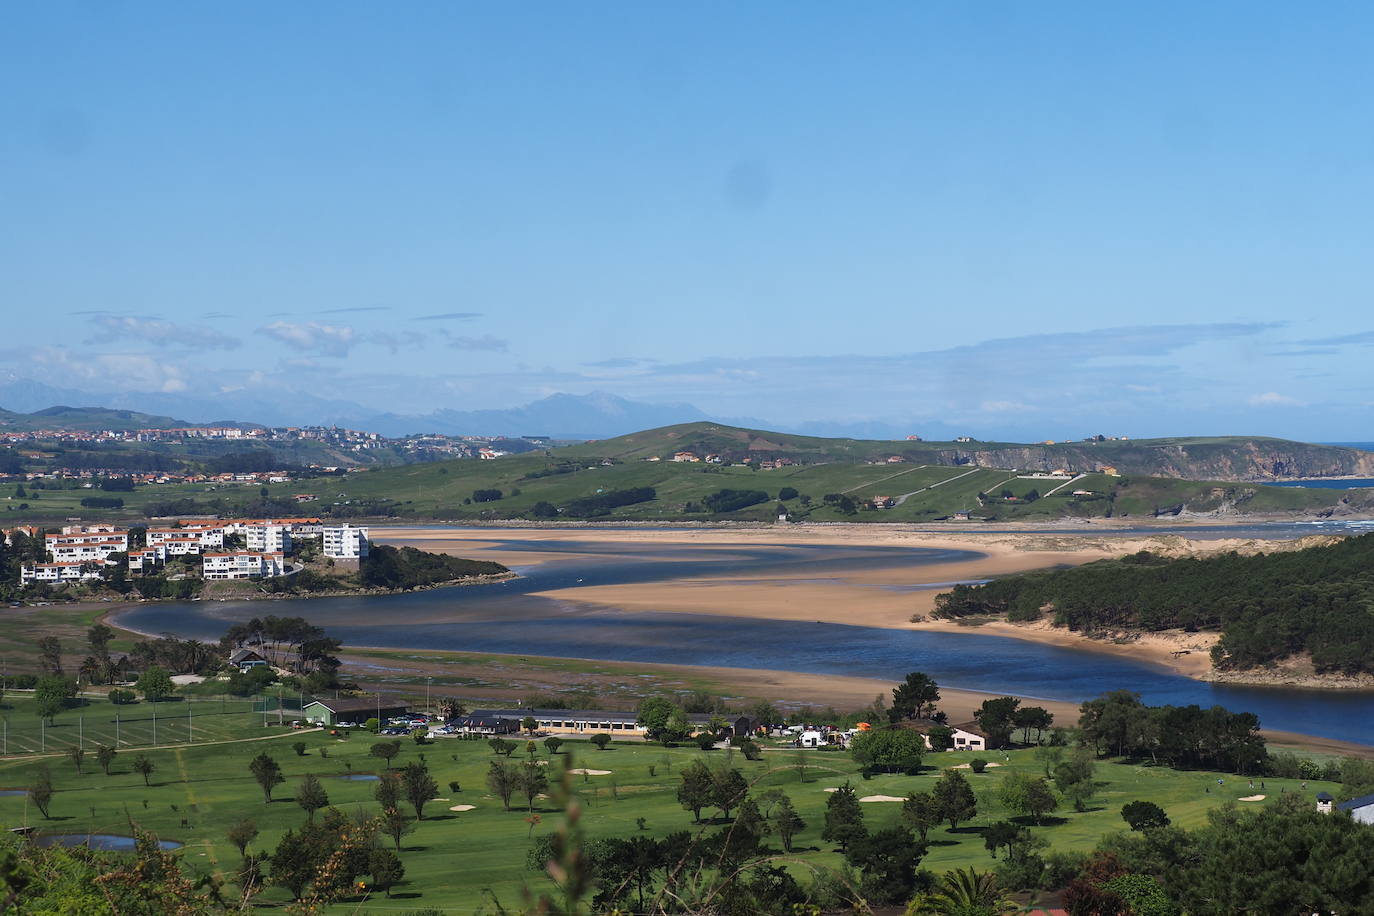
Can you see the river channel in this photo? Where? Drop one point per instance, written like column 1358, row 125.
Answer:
column 514, row 618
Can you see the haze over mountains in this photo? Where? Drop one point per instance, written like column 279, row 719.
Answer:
column 597, row 415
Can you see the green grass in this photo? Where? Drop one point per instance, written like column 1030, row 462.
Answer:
column 451, row 858
column 181, row 721
column 438, row 490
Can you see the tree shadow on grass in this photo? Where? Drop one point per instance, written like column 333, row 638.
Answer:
column 1048, row 820
column 942, row 842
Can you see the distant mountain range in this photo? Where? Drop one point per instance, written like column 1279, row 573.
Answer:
column 598, row 415
column 562, row 416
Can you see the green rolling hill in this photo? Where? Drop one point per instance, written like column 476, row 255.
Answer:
column 89, row 419
column 633, row 477
column 1249, row 458
column 824, row 480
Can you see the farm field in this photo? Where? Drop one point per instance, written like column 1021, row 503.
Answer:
column 453, row 859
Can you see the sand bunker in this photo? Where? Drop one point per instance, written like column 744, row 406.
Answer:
column 441, row 799
column 583, row 771
column 965, row 766
column 1253, row 798
column 462, row 807
column 832, row 789
column 879, row 798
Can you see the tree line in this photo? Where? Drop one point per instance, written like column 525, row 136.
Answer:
column 406, row 567
column 1267, row 606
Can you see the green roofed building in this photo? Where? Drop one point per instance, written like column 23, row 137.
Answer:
column 356, row 710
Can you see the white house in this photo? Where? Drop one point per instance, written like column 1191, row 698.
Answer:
column 268, row 538
column 147, row 559
column 1361, row 809
column 57, row 572
column 966, row 737
column 345, row 542
column 242, row 565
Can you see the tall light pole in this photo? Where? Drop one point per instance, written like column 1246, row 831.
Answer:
column 428, row 681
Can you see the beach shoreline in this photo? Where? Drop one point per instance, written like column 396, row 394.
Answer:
column 897, row 597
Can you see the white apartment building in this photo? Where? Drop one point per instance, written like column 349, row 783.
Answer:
column 146, row 559
column 242, row 565
column 268, row 538
column 208, row 536
column 184, row 545
column 345, row 542
column 86, row 546
column 93, row 552
column 91, row 529
column 56, row 572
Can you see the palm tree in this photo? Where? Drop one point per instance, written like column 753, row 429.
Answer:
column 89, row 671
column 964, row 892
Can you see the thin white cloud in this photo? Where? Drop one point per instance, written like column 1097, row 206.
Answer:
column 312, row 337
column 117, row 371
column 337, row 340
column 448, row 316
column 485, row 343
column 160, row 333
column 1274, row 399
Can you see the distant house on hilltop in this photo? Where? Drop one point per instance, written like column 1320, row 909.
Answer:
column 686, row 456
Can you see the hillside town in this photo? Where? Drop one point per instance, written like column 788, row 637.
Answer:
column 197, row 454
column 217, row 550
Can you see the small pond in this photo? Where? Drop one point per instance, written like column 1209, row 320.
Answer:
column 13, row 793
column 360, row 777
column 110, row 842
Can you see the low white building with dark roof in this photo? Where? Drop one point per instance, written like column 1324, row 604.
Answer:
column 1361, row 809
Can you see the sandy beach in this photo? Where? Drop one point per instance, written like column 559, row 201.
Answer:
column 884, row 597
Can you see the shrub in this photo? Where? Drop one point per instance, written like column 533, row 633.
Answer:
column 978, row 765
column 601, row 741
column 299, row 748
column 121, row 697
column 373, row 725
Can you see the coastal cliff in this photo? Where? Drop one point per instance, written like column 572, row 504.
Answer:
column 1227, row 458
column 1257, row 460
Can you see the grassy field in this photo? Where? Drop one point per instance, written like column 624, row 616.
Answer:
column 184, row 720
column 453, row 858
column 444, row 491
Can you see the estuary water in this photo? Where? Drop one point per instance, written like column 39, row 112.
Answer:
column 512, row 618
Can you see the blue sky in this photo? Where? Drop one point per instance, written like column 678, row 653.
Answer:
column 1018, row 219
